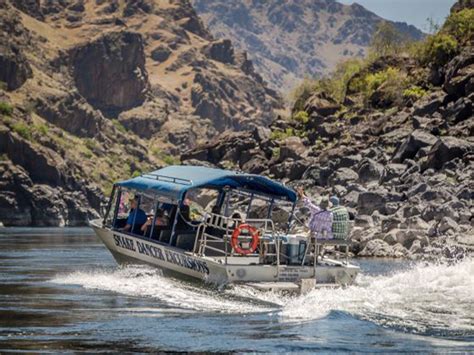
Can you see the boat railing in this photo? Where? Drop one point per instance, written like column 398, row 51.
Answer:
column 217, row 229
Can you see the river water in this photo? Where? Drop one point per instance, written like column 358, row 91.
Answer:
column 62, row 291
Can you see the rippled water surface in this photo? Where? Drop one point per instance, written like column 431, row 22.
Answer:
column 61, row 290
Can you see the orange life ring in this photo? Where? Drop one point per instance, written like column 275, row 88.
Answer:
column 234, row 242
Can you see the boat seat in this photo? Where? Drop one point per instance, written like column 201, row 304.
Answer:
column 186, row 241
column 137, row 229
column 165, row 236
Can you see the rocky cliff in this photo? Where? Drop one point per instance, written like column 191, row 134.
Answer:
column 289, row 40
column 392, row 136
column 93, row 91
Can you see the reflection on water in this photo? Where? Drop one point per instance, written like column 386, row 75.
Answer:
column 61, row 290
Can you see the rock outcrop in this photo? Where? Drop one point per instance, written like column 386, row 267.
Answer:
column 110, row 71
column 405, row 172
column 93, row 92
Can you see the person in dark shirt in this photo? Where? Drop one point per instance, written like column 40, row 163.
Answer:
column 137, row 217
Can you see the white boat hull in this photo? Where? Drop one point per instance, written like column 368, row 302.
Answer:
column 133, row 249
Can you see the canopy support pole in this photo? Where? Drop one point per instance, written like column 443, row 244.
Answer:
column 155, row 203
column 291, row 216
column 117, row 206
column 175, row 222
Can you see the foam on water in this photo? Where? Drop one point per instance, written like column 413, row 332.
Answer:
column 426, row 298
column 146, row 282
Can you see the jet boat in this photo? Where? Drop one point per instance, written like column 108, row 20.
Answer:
column 221, row 227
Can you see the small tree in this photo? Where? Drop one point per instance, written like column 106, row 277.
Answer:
column 386, row 39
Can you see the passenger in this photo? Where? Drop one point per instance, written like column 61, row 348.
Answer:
column 136, row 217
column 320, row 221
column 161, row 220
column 340, row 226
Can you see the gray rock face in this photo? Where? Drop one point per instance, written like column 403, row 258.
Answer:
column 110, row 72
column 146, row 120
column 23, row 203
column 71, row 113
column 14, row 68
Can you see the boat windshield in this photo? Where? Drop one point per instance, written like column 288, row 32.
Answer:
column 150, row 215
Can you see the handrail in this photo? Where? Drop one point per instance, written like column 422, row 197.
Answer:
column 222, row 223
column 166, row 178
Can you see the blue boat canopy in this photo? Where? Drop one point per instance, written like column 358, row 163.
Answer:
column 174, row 181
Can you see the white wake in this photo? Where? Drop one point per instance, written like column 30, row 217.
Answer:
column 148, row 282
column 429, row 297
column 424, row 298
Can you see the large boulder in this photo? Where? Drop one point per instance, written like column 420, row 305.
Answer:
column 371, row 201
column 160, row 53
column 459, row 73
column 221, row 51
column 342, row 176
column 392, row 171
column 380, row 248
column 322, row 105
column 110, row 71
column 447, row 149
column 416, row 140
column 461, row 5
column 430, row 104
column 293, row 148
column 370, row 170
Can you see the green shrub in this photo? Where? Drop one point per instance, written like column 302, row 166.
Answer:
column 280, row 135
column 23, row 130
column 438, row 49
column 166, row 158
column 276, row 152
column 136, row 173
column 373, row 81
column 30, row 108
column 119, row 126
column 41, row 128
column 301, row 116
column 302, row 93
column 391, row 79
column 170, row 160
column 414, row 92
column 6, row 109
column 87, row 154
column 460, row 25
column 90, row 143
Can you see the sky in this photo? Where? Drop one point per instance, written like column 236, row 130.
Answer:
column 413, row 12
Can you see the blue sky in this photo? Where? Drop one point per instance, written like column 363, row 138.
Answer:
column 414, row 12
